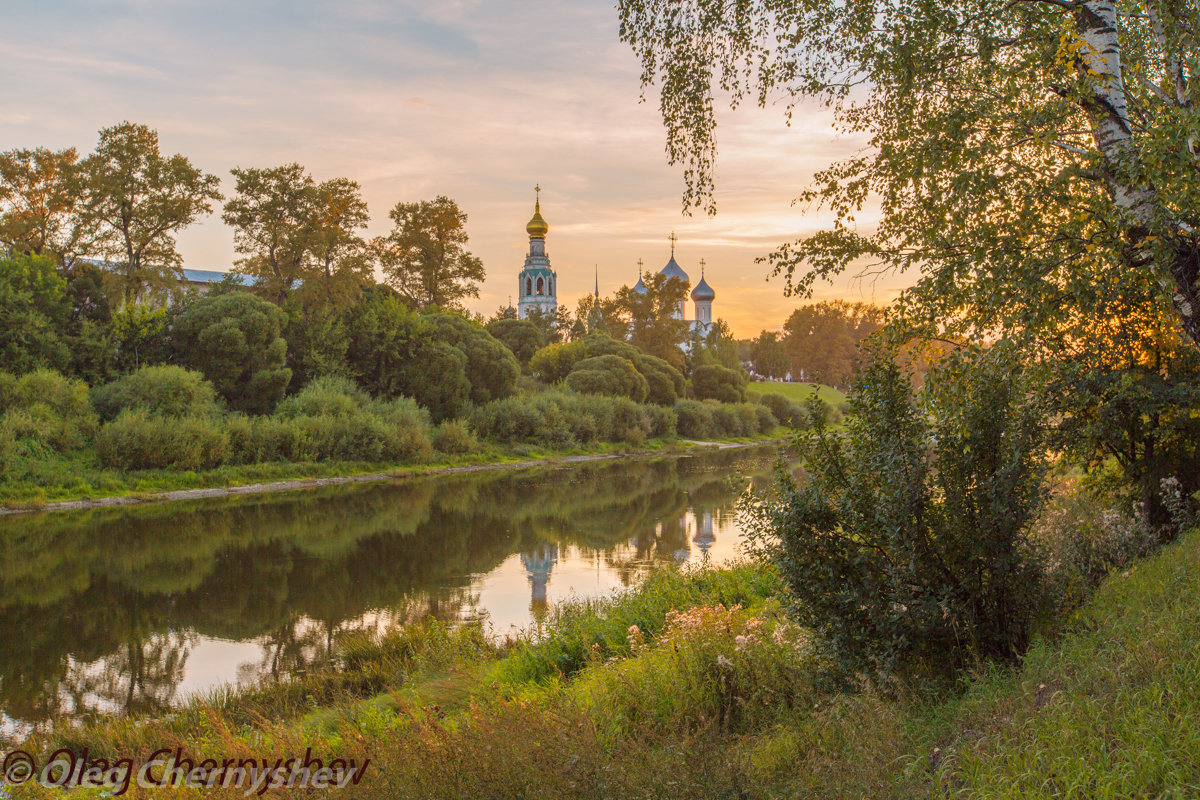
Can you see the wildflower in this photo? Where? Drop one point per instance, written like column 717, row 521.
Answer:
column 722, row 661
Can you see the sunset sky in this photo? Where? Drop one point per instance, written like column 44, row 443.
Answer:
column 472, row 99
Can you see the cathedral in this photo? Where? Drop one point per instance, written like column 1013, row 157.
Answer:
column 702, row 295
column 537, row 281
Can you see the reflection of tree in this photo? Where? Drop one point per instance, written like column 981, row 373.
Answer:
column 140, row 677
column 108, row 588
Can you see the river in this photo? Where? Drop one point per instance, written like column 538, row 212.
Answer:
column 135, row 609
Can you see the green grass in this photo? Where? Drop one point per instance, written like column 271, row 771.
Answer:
column 799, row 392
column 672, row 690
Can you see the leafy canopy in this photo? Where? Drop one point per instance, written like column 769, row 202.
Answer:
column 1013, row 147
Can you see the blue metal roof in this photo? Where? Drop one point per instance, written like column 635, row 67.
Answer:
column 215, row 276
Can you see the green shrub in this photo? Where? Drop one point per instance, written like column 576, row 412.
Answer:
column 8, row 447
column 337, row 423
column 261, row 440
column 140, row 440
column 714, row 382
column 785, row 411
column 48, row 410
column 554, row 361
column 608, row 375
column 235, row 339
column 330, row 395
column 454, row 436
column 662, row 421
column 564, row 419
column 8, row 391
column 694, row 420
column 167, row 390
column 767, row 423
column 905, row 547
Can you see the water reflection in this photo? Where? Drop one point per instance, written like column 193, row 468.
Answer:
column 131, row 609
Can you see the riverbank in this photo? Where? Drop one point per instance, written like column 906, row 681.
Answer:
column 111, row 488
column 696, row 684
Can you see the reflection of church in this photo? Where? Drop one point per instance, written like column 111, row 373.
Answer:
column 537, row 282
column 538, row 565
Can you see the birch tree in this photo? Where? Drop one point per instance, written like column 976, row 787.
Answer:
column 1024, row 154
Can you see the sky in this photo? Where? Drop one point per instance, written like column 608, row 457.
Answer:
column 478, row 100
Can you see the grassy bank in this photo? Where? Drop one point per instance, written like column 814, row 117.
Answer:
column 799, row 392
column 79, row 476
column 697, row 685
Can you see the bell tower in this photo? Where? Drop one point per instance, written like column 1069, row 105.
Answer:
column 537, row 283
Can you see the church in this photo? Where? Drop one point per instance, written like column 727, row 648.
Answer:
column 537, row 281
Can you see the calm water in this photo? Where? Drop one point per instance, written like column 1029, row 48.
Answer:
column 135, row 609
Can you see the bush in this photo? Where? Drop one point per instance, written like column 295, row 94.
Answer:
column 336, row 421
column 714, row 382
column 169, row 390
column 555, row 361
column 261, row 440
column 47, row 410
column 328, row 396
column 139, row 440
column 520, row 336
column 454, row 436
column 662, row 421
column 235, row 339
column 906, row 545
column 767, row 423
column 608, row 375
column 785, row 411
column 694, row 419
column 563, row 419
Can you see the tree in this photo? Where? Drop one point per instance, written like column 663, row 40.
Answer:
column 39, row 203
column 715, row 346
column 822, row 339
column 271, row 214
column 425, row 258
column 712, row 381
column 608, row 375
column 521, row 336
column 137, row 201
column 770, row 356
column 340, row 252
column 33, row 311
column 1014, row 146
column 905, row 545
column 650, row 319
column 492, row 369
column 235, row 340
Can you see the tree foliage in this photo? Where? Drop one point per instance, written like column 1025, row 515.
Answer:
column 521, row 336
column 33, row 311
column 40, row 194
column 822, row 339
column 770, row 356
column 1013, row 146
column 136, row 201
column 905, row 546
column 235, row 340
column 425, row 258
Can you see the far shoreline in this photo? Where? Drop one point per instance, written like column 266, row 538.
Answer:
column 399, row 473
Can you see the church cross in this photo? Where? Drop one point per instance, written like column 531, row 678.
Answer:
column 673, row 239
column 702, row 269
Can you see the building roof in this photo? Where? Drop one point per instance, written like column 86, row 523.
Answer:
column 673, row 270
column 216, row 276
column 640, row 287
column 703, row 291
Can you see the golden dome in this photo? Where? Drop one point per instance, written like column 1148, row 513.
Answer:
column 537, row 226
